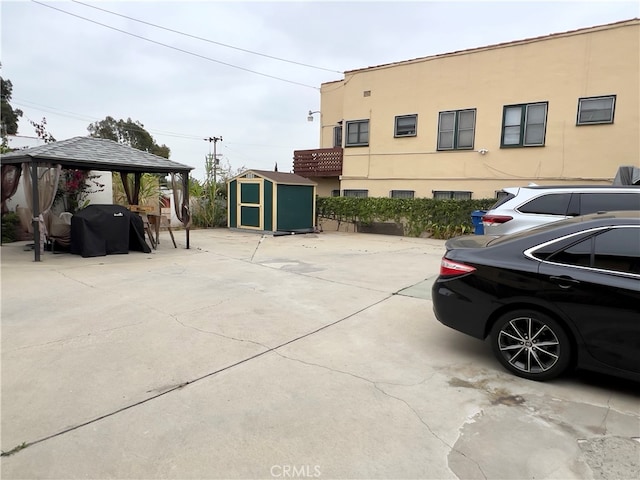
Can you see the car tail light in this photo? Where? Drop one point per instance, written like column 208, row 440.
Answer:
column 450, row 268
column 495, row 219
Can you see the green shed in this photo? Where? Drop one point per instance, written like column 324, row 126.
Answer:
column 271, row 202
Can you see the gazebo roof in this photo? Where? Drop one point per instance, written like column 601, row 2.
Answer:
column 95, row 154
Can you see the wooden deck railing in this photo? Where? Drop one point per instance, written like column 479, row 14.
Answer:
column 321, row 162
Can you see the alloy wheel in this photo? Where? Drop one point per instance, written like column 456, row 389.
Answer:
column 529, row 345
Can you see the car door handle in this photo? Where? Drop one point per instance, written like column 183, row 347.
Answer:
column 564, row 281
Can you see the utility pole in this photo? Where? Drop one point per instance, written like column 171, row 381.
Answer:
column 214, row 162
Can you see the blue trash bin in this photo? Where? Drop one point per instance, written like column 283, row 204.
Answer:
column 476, row 219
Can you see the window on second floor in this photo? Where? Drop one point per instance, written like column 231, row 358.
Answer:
column 456, row 129
column 402, row 193
column 451, row 195
column 406, row 126
column 524, row 125
column 337, row 136
column 357, row 133
column 595, row 110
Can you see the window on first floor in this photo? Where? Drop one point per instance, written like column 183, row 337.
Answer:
column 355, row 193
column 456, row 129
column 337, row 135
column 402, row 193
column 596, row 110
column 357, row 133
column 335, row 193
column 524, row 125
column 451, row 195
column 406, row 126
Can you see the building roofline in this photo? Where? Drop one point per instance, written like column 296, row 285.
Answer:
column 579, row 31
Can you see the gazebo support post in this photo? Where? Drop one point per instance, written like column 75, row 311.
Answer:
column 35, row 198
column 185, row 203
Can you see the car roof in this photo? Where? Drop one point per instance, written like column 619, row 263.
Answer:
column 593, row 220
column 574, row 187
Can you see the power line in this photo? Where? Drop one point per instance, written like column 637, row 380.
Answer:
column 87, row 118
column 176, row 48
column 208, row 40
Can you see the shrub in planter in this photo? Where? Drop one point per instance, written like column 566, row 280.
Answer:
column 10, row 223
column 438, row 218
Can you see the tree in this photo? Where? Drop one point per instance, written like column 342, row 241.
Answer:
column 133, row 134
column 41, row 130
column 128, row 132
column 209, row 197
column 8, row 115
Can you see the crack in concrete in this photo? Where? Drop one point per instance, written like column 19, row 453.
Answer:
column 376, row 385
column 179, row 386
column 257, row 246
column 302, row 274
column 71, row 339
column 311, row 364
column 60, row 272
column 603, row 424
column 175, row 317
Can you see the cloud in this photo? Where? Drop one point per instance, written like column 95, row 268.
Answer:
column 74, row 71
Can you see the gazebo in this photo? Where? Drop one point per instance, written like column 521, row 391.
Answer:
column 41, row 169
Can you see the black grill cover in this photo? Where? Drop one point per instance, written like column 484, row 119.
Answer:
column 99, row 230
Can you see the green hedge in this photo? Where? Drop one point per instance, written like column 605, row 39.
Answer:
column 440, row 218
column 10, row 222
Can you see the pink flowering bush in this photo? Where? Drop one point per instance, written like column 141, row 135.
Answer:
column 74, row 187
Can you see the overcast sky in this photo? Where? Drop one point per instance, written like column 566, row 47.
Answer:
column 73, row 71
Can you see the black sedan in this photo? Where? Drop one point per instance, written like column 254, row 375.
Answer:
column 551, row 298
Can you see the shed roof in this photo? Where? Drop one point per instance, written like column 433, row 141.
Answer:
column 95, row 154
column 279, row 177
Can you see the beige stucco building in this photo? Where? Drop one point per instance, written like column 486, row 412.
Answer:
column 558, row 109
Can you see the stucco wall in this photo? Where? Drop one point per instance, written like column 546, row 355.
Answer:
column 103, row 197
column 558, row 70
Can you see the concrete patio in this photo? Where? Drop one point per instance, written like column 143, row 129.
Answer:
column 302, row 356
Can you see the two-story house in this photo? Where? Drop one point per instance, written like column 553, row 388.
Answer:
column 558, row 109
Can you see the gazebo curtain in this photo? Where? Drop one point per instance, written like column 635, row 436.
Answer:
column 10, row 182
column 48, row 177
column 180, row 198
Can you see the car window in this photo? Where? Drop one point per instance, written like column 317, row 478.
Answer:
column 617, row 249
column 608, row 202
column 546, row 251
column 503, row 199
column 551, row 204
column 577, row 254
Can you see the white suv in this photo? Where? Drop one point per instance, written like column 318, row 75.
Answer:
column 527, row 207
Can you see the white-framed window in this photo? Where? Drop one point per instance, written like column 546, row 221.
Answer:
column 406, row 126
column 456, row 129
column 524, row 125
column 596, row 110
column 451, row 195
column 402, row 193
column 337, row 136
column 355, row 193
column 357, row 133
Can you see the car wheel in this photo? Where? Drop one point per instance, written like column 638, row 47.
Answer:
column 531, row 344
